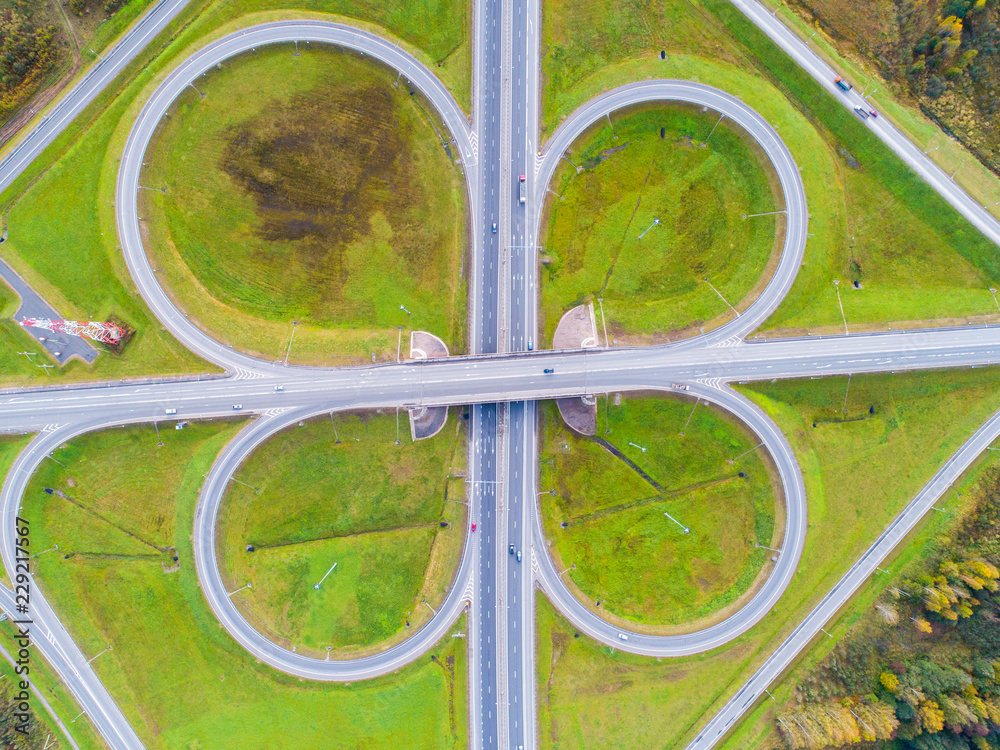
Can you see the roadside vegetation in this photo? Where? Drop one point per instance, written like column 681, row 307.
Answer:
column 918, row 652
column 391, row 517
column 872, row 220
column 121, row 512
column 606, row 514
column 943, row 59
column 75, row 263
column 43, row 44
column 653, row 164
column 327, row 200
column 860, row 470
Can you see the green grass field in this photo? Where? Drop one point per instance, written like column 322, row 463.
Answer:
column 872, row 220
column 644, row 165
column 370, row 506
column 179, row 678
column 75, row 262
column 328, row 200
column 632, row 559
column 858, row 475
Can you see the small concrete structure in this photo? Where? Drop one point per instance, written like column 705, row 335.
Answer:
column 579, row 413
column 427, row 421
column 424, row 345
column 577, row 329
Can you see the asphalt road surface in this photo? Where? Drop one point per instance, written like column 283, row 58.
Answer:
column 706, row 364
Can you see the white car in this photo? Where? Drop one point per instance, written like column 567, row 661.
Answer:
column 623, row 636
column 169, row 411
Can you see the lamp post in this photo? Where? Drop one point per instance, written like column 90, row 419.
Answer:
column 655, row 222
column 316, row 586
column 290, row 339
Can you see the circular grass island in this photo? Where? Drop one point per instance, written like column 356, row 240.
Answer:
column 647, row 215
column 376, row 509
column 616, row 514
column 308, row 192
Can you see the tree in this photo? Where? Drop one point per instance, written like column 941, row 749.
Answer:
column 935, row 87
column 890, row 682
column 887, row 614
column 922, row 625
column 931, row 716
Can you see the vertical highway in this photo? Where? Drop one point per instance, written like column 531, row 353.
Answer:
column 484, row 470
column 521, row 440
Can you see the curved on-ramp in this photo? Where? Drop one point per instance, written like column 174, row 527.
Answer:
column 688, row 92
column 48, row 635
column 759, row 605
column 129, row 172
column 252, row 640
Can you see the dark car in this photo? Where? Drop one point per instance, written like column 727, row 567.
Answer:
column 494, row 228
column 549, row 371
column 511, row 549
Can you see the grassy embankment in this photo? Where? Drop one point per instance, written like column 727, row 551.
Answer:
column 856, row 481
column 373, row 507
column 652, row 166
column 81, row 271
column 628, row 555
column 872, row 220
column 260, row 226
column 71, row 41
column 179, row 678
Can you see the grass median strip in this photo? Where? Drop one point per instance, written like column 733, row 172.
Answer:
column 179, row 678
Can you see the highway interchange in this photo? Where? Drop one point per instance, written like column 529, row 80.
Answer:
column 501, row 378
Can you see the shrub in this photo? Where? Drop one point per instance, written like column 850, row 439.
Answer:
column 935, row 87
